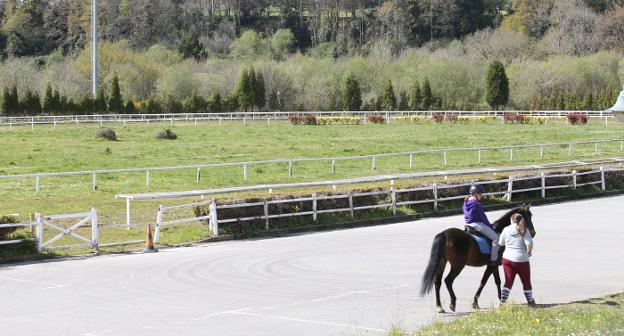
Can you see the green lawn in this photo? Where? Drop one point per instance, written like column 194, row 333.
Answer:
column 596, row 316
column 69, row 148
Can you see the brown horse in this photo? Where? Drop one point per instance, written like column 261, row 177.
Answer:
column 458, row 248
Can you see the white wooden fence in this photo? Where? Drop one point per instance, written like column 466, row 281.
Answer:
column 392, row 193
column 445, row 156
column 55, row 224
column 170, row 118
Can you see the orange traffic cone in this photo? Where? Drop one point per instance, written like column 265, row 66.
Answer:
column 149, row 242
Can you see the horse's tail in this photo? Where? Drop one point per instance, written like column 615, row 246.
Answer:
column 437, row 251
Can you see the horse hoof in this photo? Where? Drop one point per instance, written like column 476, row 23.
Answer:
column 475, row 306
column 441, row 310
column 452, row 307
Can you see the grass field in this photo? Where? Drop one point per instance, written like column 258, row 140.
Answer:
column 596, row 316
column 69, row 148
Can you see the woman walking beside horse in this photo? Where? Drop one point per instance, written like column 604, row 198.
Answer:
column 459, row 248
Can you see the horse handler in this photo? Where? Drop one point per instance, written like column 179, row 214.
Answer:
column 518, row 249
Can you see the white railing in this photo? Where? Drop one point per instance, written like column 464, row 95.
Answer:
column 170, row 118
column 479, row 152
column 392, row 198
column 52, row 223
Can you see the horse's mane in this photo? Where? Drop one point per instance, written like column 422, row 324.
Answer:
column 505, row 219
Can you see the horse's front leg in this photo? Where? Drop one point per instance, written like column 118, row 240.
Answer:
column 484, row 280
column 497, row 280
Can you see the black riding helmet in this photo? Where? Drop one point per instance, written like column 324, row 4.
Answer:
column 476, row 189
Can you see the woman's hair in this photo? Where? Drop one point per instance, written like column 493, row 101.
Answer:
column 516, row 218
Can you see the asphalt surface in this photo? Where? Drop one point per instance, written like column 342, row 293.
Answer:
column 348, row 282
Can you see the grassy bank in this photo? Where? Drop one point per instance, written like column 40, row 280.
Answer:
column 596, row 316
column 69, row 148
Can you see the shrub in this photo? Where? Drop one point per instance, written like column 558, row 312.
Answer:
column 377, row 119
column 577, row 118
column 413, row 119
column 166, row 134
column 537, row 120
column 106, row 133
column 4, row 232
column 437, row 118
column 303, row 120
column 454, row 118
column 516, row 119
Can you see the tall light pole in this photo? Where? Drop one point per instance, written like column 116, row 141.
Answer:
column 94, row 65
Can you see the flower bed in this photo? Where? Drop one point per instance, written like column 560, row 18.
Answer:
column 376, row 119
column 338, row 121
column 516, row 119
column 303, row 120
column 413, row 119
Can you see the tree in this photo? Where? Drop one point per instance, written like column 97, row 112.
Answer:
column 31, row 103
column 115, row 102
column 427, row 96
column 588, row 100
column 195, row 104
column 48, row 101
column 416, row 98
column 282, row 43
column 99, row 103
column 403, row 102
column 244, row 90
column 191, row 47
column 130, row 108
column 215, row 105
column 388, row 98
column 85, row 104
column 259, row 91
column 497, row 85
column 24, row 30
column 352, row 94
column 7, row 109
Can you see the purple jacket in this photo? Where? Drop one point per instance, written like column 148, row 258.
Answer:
column 473, row 212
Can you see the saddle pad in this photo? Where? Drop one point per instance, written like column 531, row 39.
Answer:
column 485, row 245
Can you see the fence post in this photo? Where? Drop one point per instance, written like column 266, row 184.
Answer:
column 244, row 173
column 198, row 175
column 333, row 167
column 510, row 189
column 435, row 197
column 411, row 160
column 95, row 236
column 479, row 156
column 94, row 182
column 39, row 232
column 128, row 213
column 445, row 158
column 574, row 179
column 37, row 184
column 148, row 178
column 214, row 222
column 374, row 164
column 510, row 154
column 266, row 214
column 602, row 179
column 569, row 150
column 314, row 207
column 159, row 217
column 543, row 185
column 393, row 196
column 541, row 152
column 290, row 169
column 621, row 145
column 351, row 205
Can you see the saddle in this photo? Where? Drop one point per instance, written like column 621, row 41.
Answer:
column 485, row 244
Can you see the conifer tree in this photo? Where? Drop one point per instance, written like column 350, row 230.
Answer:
column 497, row 85
column 48, row 100
column 403, row 101
column 14, row 101
column 415, row 101
column 427, row 96
column 6, row 102
column 85, row 105
column 388, row 98
column 130, row 108
column 244, row 89
column 215, row 103
column 352, row 94
column 99, row 103
column 259, row 91
column 115, row 101
column 588, row 100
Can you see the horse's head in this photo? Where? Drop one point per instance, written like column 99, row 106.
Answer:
column 525, row 211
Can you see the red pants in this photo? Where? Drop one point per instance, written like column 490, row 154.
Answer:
column 523, row 269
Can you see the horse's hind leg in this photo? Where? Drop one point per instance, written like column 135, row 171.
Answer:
column 497, row 280
column 438, row 284
column 484, row 280
column 455, row 270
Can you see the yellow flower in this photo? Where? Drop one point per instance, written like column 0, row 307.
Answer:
column 537, row 320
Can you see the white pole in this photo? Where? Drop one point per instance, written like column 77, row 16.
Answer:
column 39, row 232
column 94, row 182
column 94, row 20
column 128, row 213
column 94, row 230
column 159, row 217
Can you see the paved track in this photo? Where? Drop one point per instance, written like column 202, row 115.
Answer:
column 349, row 282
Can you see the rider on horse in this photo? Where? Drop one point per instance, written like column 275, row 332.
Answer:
column 476, row 219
